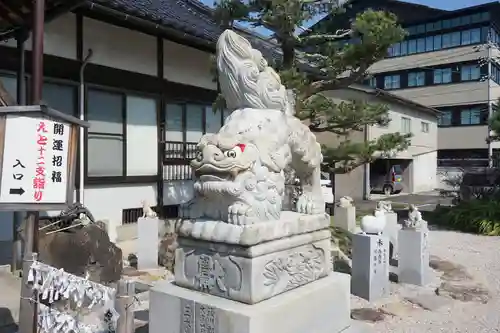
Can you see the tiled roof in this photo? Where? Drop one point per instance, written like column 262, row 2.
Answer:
column 188, row 16
column 194, row 18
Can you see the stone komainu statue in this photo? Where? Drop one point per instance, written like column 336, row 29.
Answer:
column 239, row 172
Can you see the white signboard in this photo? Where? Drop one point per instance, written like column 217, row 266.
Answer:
column 35, row 161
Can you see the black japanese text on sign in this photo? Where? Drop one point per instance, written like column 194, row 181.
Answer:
column 17, row 175
column 57, row 150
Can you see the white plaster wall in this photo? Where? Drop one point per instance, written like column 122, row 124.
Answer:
column 424, row 172
column 186, row 65
column 119, row 47
column 106, row 202
column 420, row 142
column 59, row 37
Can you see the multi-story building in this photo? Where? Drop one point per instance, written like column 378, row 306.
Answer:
column 438, row 65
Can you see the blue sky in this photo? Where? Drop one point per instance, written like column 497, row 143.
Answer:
column 441, row 4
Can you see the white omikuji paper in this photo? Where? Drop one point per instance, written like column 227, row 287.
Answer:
column 21, row 136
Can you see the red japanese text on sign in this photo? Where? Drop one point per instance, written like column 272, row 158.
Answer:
column 39, row 179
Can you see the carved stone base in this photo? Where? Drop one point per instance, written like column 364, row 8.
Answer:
column 322, row 306
column 255, row 273
column 289, row 224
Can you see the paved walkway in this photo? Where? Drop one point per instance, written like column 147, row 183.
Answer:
column 10, row 287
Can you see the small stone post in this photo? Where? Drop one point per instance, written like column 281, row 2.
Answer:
column 345, row 218
column 147, row 247
column 370, row 266
column 391, row 230
column 124, row 304
column 413, row 260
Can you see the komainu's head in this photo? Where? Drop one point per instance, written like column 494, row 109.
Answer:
column 222, row 158
column 246, row 80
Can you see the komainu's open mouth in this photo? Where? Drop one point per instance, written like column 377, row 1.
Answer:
column 213, row 176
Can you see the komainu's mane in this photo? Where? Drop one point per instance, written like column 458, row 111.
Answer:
column 245, row 78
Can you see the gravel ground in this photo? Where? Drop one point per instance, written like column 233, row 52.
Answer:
column 481, row 257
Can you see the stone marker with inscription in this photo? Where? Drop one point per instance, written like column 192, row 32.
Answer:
column 147, row 237
column 392, row 227
column 243, row 264
column 413, row 263
column 370, row 266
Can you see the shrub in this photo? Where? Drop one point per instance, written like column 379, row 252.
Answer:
column 481, row 216
column 342, row 239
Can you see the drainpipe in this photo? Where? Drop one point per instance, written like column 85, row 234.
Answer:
column 82, row 130
column 490, row 106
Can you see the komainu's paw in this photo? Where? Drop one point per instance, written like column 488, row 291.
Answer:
column 191, row 210
column 240, row 214
column 310, row 204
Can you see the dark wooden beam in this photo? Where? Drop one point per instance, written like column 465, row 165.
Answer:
column 51, row 13
column 15, row 7
column 9, row 15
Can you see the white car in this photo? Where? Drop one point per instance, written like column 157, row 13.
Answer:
column 326, row 188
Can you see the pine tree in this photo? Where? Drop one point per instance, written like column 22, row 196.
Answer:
column 494, row 123
column 333, row 65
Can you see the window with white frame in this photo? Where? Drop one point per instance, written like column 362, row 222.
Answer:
column 416, row 79
column 213, row 120
column 106, row 137
column 470, row 73
column 424, row 126
column 194, row 122
column 141, row 136
column 185, row 124
column 405, row 125
column 392, row 82
column 122, row 139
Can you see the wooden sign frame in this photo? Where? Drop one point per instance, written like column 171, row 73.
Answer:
column 43, row 111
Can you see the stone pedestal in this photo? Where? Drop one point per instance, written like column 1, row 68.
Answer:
column 322, row 306
column 147, row 243
column 413, row 260
column 271, row 277
column 370, row 266
column 345, row 218
column 391, row 231
column 255, row 273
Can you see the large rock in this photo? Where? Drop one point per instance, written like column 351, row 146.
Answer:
column 166, row 251
column 82, row 250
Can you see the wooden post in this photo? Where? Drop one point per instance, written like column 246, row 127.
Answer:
column 28, row 312
column 28, row 316
column 125, row 297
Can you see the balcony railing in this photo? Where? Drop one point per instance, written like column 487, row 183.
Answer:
column 176, row 160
